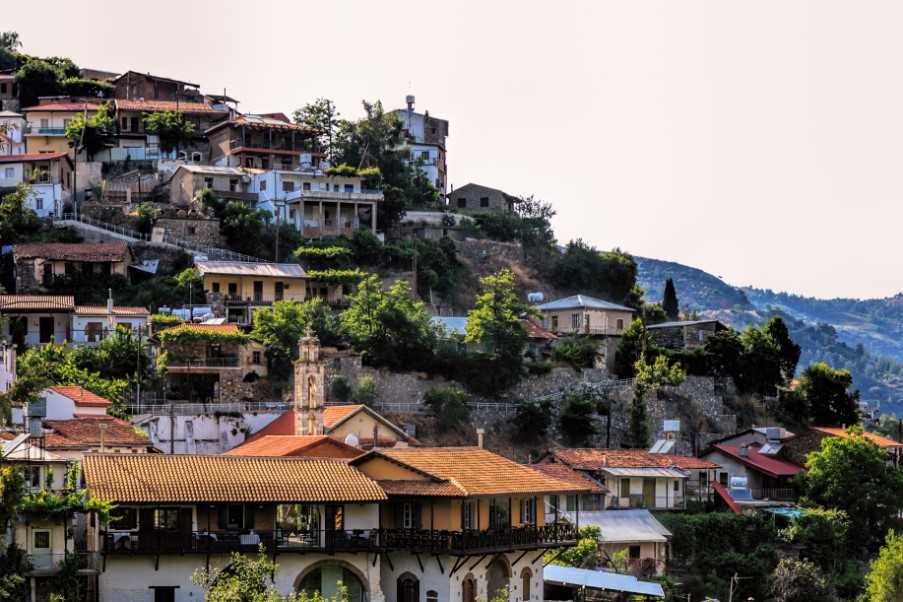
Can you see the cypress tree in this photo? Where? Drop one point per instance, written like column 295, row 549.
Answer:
column 669, row 300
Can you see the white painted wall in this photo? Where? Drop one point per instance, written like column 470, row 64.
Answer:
column 60, row 407
column 46, row 199
column 60, row 327
column 202, row 434
column 80, row 323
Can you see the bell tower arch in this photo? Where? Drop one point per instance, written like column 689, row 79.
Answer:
column 310, row 387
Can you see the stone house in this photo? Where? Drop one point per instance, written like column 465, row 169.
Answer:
column 37, row 264
column 684, row 334
column 227, row 183
column 212, row 363
column 424, row 139
column 585, row 315
column 477, row 198
column 134, row 85
column 268, row 141
column 797, row 447
column 200, row 231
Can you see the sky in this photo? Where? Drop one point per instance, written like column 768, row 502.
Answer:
column 759, row 141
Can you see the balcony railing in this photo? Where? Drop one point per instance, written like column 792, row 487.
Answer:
column 50, row 564
column 44, row 131
column 782, row 494
column 203, row 362
column 661, row 502
column 161, row 541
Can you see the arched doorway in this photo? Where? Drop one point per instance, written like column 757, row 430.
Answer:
column 469, row 589
column 407, row 588
column 325, row 577
column 526, row 576
column 497, row 576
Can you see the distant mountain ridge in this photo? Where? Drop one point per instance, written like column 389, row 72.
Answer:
column 864, row 336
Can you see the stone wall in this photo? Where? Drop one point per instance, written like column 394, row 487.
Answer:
column 202, row 232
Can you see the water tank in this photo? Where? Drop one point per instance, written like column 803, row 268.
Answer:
column 535, row 297
column 352, row 440
column 739, row 483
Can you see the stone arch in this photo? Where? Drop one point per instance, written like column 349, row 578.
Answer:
column 347, row 570
column 407, row 588
column 312, row 392
column 469, row 588
column 526, row 578
column 498, row 575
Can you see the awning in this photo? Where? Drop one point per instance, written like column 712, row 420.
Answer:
column 647, row 472
column 613, row 582
column 625, row 526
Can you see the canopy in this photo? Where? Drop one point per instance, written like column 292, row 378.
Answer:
column 566, row 575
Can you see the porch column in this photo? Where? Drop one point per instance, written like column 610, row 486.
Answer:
column 322, row 223
column 339, row 224
column 373, row 217
column 355, row 220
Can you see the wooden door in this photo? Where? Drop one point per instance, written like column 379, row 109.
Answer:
column 46, row 329
column 649, row 493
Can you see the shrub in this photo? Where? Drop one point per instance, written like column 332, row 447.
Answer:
column 533, row 419
column 576, row 420
column 448, row 405
column 579, row 352
column 340, row 390
column 365, row 391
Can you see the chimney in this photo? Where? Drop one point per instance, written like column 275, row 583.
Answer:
column 375, row 436
column 480, row 433
column 109, row 301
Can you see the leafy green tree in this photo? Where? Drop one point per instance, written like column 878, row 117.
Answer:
column 852, row 474
column 884, row 582
column 280, row 326
column 799, row 581
column 583, row 268
column 171, row 126
column 823, row 537
column 584, row 555
column 533, row 419
column 577, row 420
column 243, row 227
column 91, row 135
column 38, row 77
column 16, row 218
column 652, row 313
column 634, row 340
column 725, row 351
column 391, row 328
column 760, row 366
column 322, row 117
column 147, row 215
column 9, row 40
column 889, row 426
column 669, row 300
column 649, row 378
column 825, row 391
column 788, row 350
column 448, row 405
column 365, row 391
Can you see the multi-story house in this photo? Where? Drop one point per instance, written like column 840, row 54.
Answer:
column 48, row 176
column 136, row 143
column 36, row 319
column 133, row 85
column 212, row 362
column 640, row 479
column 9, row 92
column 319, row 517
column 315, row 204
column 265, row 142
column 234, row 288
column 424, row 137
column 37, row 264
column 227, row 183
column 93, row 323
column 12, row 133
column 585, row 315
column 45, row 131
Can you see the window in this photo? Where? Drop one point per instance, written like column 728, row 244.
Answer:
column 136, row 124
column 263, row 185
column 216, row 287
column 554, row 323
column 39, row 203
column 233, row 184
column 34, row 477
column 462, row 203
column 164, row 594
column 66, row 123
column 93, row 331
column 2, row 88
column 468, row 516
column 233, row 289
column 525, row 578
column 40, row 540
column 590, row 502
column 553, row 505
column 196, row 157
column 407, row 516
column 255, row 357
column 676, row 486
column 703, row 480
column 484, row 201
column 635, row 552
column 166, row 518
column 425, row 155
column 45, row 123
column 305, row 186
column 208, row 182
column 124, row 519
column 349, row 187
column 288, row 186
column 620, row 324
column 297, row 517
column 432, row 596
column 625, row 487
column 723, row 478
column 499, row 518
column 528, row 511
column 575, row 321
column 235, row 517
column 192, row 230
column 571, row 503
column 9, row 172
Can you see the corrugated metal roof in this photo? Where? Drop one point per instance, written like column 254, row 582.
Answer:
column 680, row 323
column 623, row 526
column 614, row 582
column 238, row 268
column 672, row 473
column 582, row 302
column 214, row 170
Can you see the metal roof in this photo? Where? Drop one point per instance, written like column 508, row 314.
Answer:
column 672, row 473
column 582, row 302
column 625, row 526
column 214, row 170
column 604, row 580
column 241, row 268
column 679, row 323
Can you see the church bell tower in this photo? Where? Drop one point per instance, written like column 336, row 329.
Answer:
column 310, row 387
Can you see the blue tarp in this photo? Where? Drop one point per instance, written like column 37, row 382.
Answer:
column 614, row 582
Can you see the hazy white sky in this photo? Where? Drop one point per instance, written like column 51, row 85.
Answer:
column 760, row 141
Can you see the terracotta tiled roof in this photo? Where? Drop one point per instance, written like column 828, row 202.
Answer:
column 147, row 478
column 220, row 328
column 101, row 251
column 332, row 417
column 588, row 458
column 166, row 105
column 63, row 106
column 421, row 488
column 568, row 474
column 476, row 471
column 81, row 396
column 101, row 310
column 14, row 303
column 296, row 445
column 535, row 331
column 882, row 442
column 769, row 465
column 86, row 433
column 32, row 157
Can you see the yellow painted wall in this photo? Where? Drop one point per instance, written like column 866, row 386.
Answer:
column 361, row 426
column 379, row 468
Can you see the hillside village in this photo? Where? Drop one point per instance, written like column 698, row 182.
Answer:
column 283, row 345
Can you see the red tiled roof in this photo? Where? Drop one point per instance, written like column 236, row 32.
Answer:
column 724, row 495
column 64, row 106
column 14, row 303
column 166, row 105
column 285, row 423
column 569, row 475
column 771, row 466
column 882, row 442
column 266, row 151
column 101, row 310
column 535, row 331
column 86, row 433
column 421, row 488
column 587, row 458
column 100, row 251
column 295, row 445
column 32, row 157
column 81, row 396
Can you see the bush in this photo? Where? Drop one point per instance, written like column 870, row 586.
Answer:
column 577, row 421
column 365, row 391
column 448, row 405
column 340, row 390
column 579, row 352
column 533, row 419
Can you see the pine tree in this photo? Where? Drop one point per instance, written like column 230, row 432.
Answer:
column 669, row 300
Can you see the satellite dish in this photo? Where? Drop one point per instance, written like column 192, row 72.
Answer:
column 352, row 440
